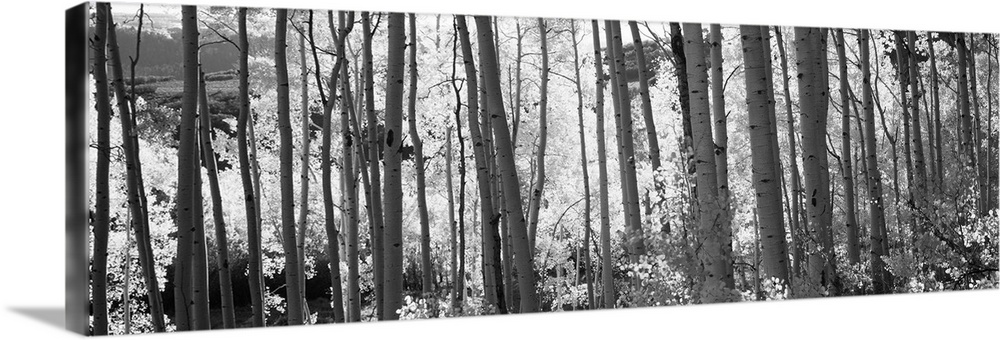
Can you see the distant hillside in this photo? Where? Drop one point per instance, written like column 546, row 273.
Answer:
column 161, row 53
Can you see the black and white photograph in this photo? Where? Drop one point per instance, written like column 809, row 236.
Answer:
column 258, row 167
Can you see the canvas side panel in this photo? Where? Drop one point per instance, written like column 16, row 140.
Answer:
column 77, row 301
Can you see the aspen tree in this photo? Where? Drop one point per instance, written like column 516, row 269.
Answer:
column 635, row 234
column 710, row 234
column 607, row 280
column 219, row 220
column 919, row 167
column 373, row 160
column 418, row 156
column 288, row 239
column 721, row 140
column 393, row 190
column 539, row 185
column 589, row 278
column 881, row 279
column 185, row 170
column 199, row 251
column 102, row 204
column 647, row 108
column 813, row 94
column 303, row 220
column 796, row 189
column 507, row 168
column 853, row 248
column 255, row 275
column 765, row 179
column 489, row 217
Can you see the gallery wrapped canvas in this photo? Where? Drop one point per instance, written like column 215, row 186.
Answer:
column 259, row 167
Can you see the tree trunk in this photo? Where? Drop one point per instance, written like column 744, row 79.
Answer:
column 635, row 234
column 199, row 250
column 903, row 77
column 102, row 204
column 507, row 168
column 373, row 163
column 683, row 94
column 255, row 275
column 490, row 218
column 813, row 94
column 613, row 74
column 185, row 171
column 980, row 171
column 457, row 282
column 288, row 241
column 300, row 240
column 796, row 204
column 393, row 190
column 721, row 136
column 937, row 162
column 881, row 280
column 589, row 280
column 136, row 192
column 221, row 239
column 536, row 190
column 767, row 185
column 647, row 108
column 418, row 156
column 607, row 280
column 853, row 248
column 710, row 234
column 515, row 114
column 461, row 163
column 966, row 137
column 919, row 168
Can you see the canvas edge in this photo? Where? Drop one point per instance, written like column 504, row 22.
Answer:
column 77, row 230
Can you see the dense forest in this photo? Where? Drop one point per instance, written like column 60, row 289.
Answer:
column 259, row 167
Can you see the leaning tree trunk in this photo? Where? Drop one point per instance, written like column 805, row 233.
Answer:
column 393, row 190
column 853, row 249
column 647, row 108
column 185, row 170
column 881, row 280
column 508, row 170
column 136, row 192
column 710, row 255
column 607, row 280
column 221, row 239
column 536, row 190
column 102, row 204
column 255, row 275
column 143, row 243
column 292, row 285
column 489, row 216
